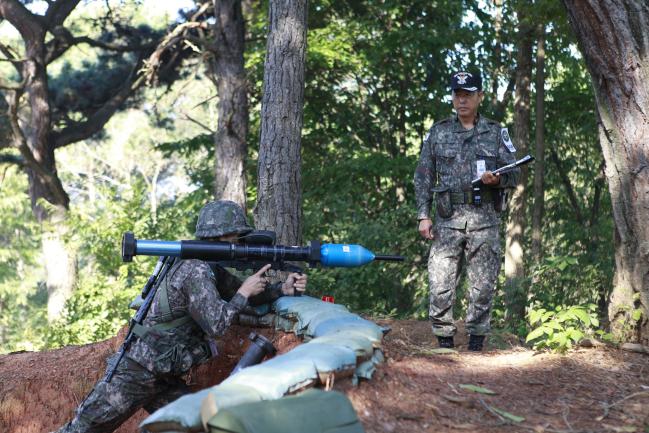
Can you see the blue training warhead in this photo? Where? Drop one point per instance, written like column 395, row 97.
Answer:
column 344, row 255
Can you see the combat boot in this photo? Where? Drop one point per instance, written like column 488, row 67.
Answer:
column 445, row 342
column 476, row 342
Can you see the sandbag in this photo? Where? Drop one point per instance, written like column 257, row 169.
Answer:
column 361, row 345
column 304, row 306
column 313, row 411
column 326, row 358
column 185, row 413
column 365, row 370
column 277, row 376
column 350, row 323
column 181, row 415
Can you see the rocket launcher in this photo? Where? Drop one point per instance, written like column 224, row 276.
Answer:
column 325, row 255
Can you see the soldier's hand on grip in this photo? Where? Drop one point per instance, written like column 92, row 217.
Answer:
column 488, row 178
column 426, row 229
column 294, row 282
column 254, row 284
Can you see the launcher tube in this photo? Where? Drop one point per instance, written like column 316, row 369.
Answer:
column 328, row 255
column 158, row 248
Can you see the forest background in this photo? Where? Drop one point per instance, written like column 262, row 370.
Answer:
column 376, row 79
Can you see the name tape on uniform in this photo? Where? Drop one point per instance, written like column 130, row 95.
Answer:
column 504, row 133
column 480, row 167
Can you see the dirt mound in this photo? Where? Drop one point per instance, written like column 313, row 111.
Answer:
column 39, row 391
column 416, row 390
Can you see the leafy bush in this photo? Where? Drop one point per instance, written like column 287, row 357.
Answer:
column 558, row 330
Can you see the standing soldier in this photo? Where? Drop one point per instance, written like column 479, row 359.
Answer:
column 187, row 314
column 466, row 231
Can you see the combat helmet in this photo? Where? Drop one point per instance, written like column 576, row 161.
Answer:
column 222, row 217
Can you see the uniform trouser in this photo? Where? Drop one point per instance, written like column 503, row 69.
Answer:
column 480, row 250
column 110, row 404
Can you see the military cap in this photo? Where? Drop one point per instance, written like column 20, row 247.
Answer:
column 471, row 81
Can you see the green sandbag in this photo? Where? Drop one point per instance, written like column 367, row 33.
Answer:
column 184, row 414
column 313, row 411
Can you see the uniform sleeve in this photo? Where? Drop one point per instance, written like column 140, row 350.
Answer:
column 228, row 284
column 205, row 306
column 425, row 178
column 505, row 157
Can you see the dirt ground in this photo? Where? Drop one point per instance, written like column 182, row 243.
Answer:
column 415, row 390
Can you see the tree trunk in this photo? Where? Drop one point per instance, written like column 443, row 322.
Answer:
column 539, row 162
column 613, row 39
column 232, row 128
column 279, row 189
column 45, row 39
column 60, row 263
column 514, row 257
column 49, row 200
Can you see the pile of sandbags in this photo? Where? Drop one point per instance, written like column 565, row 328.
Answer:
column 338, row 344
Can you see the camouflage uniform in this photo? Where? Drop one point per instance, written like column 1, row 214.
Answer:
column 449, row 160
column 194, row 304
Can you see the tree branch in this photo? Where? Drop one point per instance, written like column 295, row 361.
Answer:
column 13, row 86
column 29, row 26
column 154, row 62
column 12, row 159
column 94, row 123
column 29, row 160
column 58, row 11
column 202, row 125
column 64, row 40
column 500, row 106
column 178, row 34
column 12, row 58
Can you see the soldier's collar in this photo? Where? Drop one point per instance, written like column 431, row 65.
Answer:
column 481, row 124
column 458, row 125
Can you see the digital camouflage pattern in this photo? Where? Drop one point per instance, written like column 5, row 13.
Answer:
column 150, row 374
column 448, row 162
column 190, row 288
column 193, row 305
column 110, row 404
column 481, row 249
column 222, row 217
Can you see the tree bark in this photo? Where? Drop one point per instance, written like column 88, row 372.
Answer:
column 613, row 37
column 33, row 141
column 37, row 140
column 232, row 128
column 539, row 161
column 514, row 255
column 279, row 184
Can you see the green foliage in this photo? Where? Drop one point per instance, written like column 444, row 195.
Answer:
column 22, row 294
column 376, row 80
column 97, row 308
column 560, row 329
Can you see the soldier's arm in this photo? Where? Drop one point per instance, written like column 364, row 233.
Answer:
column 228, row 285
column 213, row 314
column 506, row 157
column 425, row 178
